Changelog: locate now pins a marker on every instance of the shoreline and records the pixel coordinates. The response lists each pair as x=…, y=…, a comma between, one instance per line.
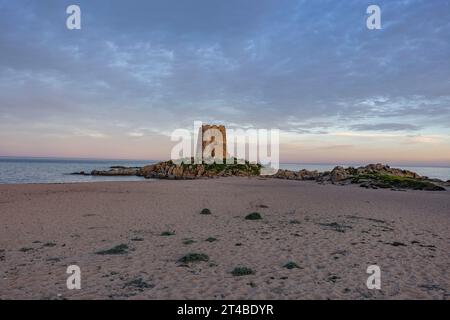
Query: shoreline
x=331, y=232
x=150, y=180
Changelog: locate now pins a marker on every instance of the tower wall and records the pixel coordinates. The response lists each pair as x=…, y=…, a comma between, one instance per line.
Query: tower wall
x=203, y=143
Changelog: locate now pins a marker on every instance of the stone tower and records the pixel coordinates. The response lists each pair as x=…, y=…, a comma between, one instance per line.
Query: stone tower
x=208, y=135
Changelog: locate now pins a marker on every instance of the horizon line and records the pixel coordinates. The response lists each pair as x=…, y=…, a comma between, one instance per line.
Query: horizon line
x=355, y=164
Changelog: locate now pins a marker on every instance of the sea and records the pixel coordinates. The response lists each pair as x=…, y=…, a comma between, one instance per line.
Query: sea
x=14, y=170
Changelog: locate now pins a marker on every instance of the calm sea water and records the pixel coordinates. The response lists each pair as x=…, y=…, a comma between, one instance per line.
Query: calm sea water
x=43, y=170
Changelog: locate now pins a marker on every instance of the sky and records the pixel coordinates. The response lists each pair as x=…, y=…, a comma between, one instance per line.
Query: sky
x=137, y=70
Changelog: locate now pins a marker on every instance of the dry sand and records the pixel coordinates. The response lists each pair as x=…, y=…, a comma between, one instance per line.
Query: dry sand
x=332, y=232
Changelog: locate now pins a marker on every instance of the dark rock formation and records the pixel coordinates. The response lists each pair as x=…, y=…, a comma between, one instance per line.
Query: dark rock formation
x=294, y=175
x=117, y=171
x=375, y=176
x=171, y=170
x=113, y=171
x=371, y=176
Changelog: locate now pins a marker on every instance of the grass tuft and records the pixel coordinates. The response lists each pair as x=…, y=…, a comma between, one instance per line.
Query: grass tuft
x=386, y=181
x=119, y=249
x=291, y=265
x=253, y=216
x=205, y=211
x=49, y=244
x=167, y=233
x=194, y=257
x=139, y=284
x=242, y=271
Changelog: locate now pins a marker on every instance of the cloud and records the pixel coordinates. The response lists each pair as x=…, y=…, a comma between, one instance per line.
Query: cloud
x=309, y=67
x=385, y=127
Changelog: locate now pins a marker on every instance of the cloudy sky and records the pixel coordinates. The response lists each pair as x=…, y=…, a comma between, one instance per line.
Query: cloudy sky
x=137, y=70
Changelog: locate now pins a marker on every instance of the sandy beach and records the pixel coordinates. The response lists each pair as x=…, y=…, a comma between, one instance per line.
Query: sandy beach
x=333, y=233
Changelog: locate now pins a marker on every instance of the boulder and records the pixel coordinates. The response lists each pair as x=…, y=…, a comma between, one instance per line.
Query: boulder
x=338, y=174
x=81, y=173
x=308, y=175
x=117, y=171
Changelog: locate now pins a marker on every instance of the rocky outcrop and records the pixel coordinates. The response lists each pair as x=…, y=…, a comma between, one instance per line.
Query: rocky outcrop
x=117, y=171
x=339, y=174
x=296, y=175
x=371, y=176
x=171, y=170
x=113, y=171
x=385, y=169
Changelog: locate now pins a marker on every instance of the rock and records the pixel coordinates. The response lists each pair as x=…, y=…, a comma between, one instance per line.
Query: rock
x=308, y=175
x=385, y=169
x=200, y=171
x=371, y=176
x=432, y=187
x=171, y=170
x=81, y=173
x=293, y=175
x=338, y=174
x=117, y=171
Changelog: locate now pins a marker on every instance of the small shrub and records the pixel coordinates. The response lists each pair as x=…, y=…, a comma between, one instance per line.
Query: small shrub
x=49, y=244
x=335, y=226
x=291, y=265
x=167, y=233
x=242, y=271
x=54, y=259
x=211, y=239
x=188, y=241
x=139, y=284
x=205, y=211
x=120, y=249
x=253, y=216
x=194, y=257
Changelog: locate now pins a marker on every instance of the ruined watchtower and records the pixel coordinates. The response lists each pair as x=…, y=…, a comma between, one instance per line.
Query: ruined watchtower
x=213, y=141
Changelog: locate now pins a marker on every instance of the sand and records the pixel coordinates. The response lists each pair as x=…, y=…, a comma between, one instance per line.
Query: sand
x=333, y=233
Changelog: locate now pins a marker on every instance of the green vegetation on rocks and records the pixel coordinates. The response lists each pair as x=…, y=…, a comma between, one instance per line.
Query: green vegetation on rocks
x=119, y=249
x=194, y=257
x=291, y=265
x=242, y=271
x=386, y=181
x=205, y=211
x=167, y=233
x=253, y=216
